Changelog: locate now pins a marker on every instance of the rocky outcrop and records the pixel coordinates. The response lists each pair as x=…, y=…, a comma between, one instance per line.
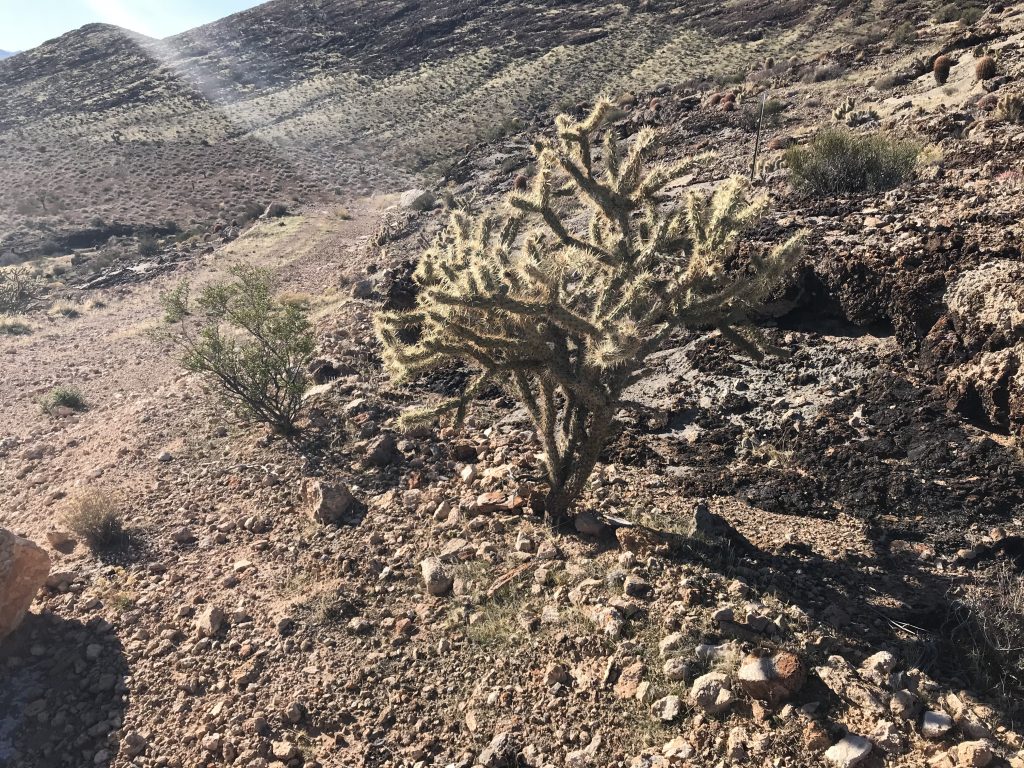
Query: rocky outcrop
x=23, y=570
x=986, y=312
x=987, y=305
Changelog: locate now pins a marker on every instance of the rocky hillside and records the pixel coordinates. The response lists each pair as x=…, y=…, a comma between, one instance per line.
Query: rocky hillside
x=816, y=559
x=326, y=99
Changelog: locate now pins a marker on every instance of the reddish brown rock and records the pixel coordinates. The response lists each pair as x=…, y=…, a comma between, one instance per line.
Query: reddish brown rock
x=629, y=681
x=772, y=679
x=330, y=504
x=24, y=567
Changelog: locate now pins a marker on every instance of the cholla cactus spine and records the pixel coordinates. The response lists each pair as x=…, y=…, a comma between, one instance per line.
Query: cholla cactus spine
x=564, y=317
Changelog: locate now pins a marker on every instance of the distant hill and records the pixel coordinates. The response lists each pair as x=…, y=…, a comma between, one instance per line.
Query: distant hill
x=309, y=98
x=6, y=54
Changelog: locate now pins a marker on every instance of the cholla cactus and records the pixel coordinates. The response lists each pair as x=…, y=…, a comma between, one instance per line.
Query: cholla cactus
x=848, y=114
x=565, y=316
x=845, y=108
x=1010, y=108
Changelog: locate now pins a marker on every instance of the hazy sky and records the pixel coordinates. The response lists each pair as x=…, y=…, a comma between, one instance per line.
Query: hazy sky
x=27, y=23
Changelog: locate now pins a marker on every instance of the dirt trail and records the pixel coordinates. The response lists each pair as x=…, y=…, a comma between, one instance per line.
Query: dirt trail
x=129, y=378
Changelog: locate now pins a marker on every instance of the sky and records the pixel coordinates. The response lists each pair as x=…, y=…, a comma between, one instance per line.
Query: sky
x=25, y=24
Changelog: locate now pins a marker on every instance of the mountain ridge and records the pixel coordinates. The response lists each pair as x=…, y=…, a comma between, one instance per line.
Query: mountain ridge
x=324, y=99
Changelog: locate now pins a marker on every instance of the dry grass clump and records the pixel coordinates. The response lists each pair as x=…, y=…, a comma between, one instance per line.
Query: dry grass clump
x=65, y=309
x=97, y=518
x=990, y=615
x=14, y=326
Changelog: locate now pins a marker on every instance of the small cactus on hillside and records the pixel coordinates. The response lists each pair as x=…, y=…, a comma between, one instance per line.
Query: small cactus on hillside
x=941, y=68
x=1010, y=108
x=985, y=68
x=847, y=106
x=848, y=114
x=564, y=317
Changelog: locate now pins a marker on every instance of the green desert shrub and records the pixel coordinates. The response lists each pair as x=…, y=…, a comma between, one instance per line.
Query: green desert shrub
x=96, y=517
x=63, y=397
x=904, y=34
x=565, y=317
x=18, y=289
x=965, y=12
x=252, y=345
x=840, y=161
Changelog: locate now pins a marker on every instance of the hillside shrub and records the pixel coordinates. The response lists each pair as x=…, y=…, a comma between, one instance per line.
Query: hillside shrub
x=990, y=617
x=252, y=345
x=964, y=12
x=941, y=68
x=18, y=289
x=63, y=397
x=148, y=246
x=840, y=161
x=750, y=117
x=904, y=34
x=565, y=317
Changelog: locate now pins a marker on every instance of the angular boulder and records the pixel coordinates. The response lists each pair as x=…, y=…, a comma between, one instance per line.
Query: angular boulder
x=436, y=579
x=989, y=390
x=850, y=751
x=330, y=504
x=772, y=679
x=24, y=567
x=711, y=693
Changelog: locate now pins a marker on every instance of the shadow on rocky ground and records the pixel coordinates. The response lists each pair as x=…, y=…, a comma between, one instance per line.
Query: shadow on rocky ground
x=879, y=600
x=64, y=695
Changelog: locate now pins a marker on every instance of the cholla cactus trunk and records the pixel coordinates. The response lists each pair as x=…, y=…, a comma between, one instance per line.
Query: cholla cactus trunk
x=564, y=316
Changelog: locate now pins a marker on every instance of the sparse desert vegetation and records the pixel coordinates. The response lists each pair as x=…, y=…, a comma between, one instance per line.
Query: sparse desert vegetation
x=570, y=319
x=443, y=274
x=840, y=161
x=97, y=518
x=252, y=346
x=63, y=397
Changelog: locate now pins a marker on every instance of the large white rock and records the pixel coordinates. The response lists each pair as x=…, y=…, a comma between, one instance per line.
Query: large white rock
x=24, y=567
x=418, y=199
x=711, y=693
x=850, y=751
